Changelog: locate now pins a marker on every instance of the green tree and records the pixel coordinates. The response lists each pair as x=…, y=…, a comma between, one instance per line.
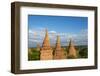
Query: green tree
x=35, y=55
x=83, y=53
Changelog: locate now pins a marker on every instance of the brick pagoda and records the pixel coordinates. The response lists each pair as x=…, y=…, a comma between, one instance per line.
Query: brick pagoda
x=46, y=52
x=59, y=53
x=72, y=53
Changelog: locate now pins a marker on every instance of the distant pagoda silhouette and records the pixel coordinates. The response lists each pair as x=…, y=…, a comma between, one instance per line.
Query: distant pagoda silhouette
x=46, y=52
x=72, y=53
x=38, y=47
x=30, y=51
x=59, y=53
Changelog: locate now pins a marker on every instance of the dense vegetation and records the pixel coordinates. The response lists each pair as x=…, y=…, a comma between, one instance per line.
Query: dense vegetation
x=34, y=55
x=82, y=52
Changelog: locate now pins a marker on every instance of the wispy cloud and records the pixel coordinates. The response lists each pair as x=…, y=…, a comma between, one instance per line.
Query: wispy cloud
x=37, y=35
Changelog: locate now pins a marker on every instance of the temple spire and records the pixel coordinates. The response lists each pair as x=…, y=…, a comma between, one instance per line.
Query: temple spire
x=38, y=47
x=46, y=52
x=71, y=50
x=58, y=45
x=59, y=53
x=46, y=41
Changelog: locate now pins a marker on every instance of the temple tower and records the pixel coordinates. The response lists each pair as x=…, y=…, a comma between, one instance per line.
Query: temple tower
x=72, y=53
x=59, y=53
x=46, y=52
x=38, y=47
x=30, y=51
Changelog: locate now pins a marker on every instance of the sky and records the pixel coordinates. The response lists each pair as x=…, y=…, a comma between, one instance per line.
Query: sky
x=65, y=26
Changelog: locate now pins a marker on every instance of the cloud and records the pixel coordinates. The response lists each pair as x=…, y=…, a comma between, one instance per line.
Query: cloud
x=37, y=36
x=52, y=32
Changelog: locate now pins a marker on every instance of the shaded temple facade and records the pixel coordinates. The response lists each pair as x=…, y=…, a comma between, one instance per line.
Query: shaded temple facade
x=46, y=52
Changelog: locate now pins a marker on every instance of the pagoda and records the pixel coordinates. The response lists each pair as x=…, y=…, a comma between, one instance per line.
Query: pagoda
x=46, y=52
x=38, y=47
x=72, y=53
x=59, y=53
